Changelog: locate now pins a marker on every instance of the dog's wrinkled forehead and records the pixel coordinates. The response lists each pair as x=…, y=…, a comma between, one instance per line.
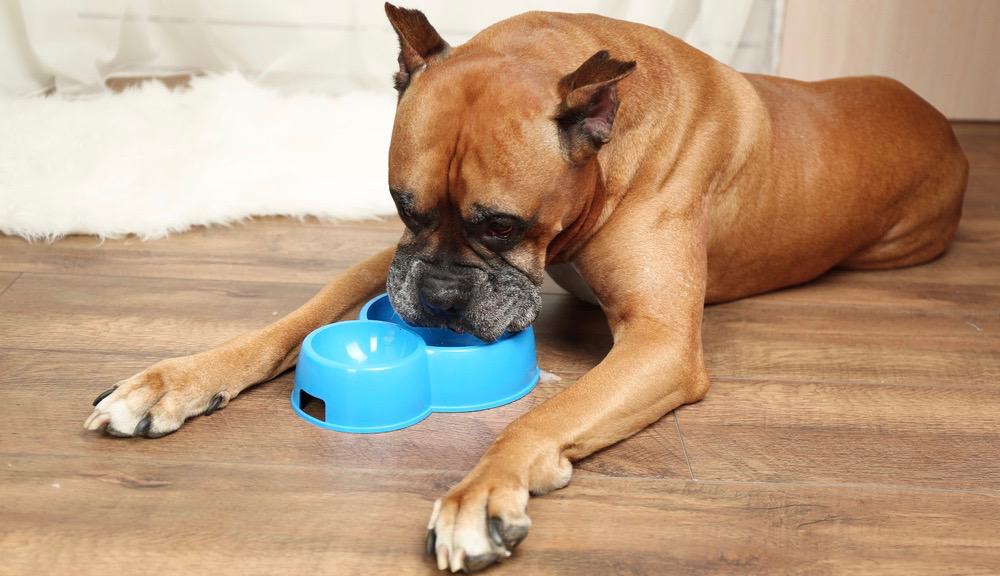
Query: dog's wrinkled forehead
x=473, y=141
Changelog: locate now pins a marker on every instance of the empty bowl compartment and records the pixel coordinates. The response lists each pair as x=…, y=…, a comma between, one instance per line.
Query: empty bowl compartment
x=362, y=376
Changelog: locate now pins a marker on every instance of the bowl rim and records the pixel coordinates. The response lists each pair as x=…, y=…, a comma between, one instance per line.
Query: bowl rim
x=315, y=356
x=363, y=317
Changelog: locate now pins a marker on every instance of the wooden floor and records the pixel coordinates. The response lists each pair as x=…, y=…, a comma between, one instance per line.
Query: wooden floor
x=853, y=426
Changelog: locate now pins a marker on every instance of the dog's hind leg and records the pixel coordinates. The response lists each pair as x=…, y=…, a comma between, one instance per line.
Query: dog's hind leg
x=927, y=222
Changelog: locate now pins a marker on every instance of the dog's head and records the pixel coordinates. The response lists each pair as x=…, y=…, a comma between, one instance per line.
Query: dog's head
x=492, y=168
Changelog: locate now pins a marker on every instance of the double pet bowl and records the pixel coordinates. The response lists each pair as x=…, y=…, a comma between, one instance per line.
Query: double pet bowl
x=378, y=373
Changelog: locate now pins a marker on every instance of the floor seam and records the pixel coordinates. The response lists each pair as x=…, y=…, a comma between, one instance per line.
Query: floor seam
x=12, y=282
x=680, y=436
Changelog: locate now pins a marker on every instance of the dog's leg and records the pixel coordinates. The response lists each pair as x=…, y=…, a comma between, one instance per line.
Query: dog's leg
x=654, y=302
x=159, y=399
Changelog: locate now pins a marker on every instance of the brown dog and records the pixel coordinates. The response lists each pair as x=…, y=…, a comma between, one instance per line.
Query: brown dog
x=662, y=177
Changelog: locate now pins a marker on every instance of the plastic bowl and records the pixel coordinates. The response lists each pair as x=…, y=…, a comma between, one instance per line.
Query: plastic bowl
x=466, y=374
x=379, y=374
x=368, y=376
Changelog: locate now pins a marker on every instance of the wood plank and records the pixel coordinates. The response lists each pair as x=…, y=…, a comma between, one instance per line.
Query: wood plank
x=920, y=290
x=963, y=128
x=972, y=362
x=767, y=339
x=894, y=435
x=981, y=197
x=45, y=396
x=749, y=338
x=271, y=249
x=920, y=312
x=156, y=315
x=138, y=315
x=262, y=250
x=980, y=143
x=93, y=515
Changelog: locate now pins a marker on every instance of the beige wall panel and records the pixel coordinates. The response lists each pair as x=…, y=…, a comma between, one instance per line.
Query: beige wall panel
x=946, y=50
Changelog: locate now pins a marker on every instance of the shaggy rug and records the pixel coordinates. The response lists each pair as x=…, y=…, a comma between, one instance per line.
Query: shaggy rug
x=151, y=161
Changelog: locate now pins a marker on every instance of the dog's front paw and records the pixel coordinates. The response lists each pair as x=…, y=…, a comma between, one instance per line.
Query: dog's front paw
x=480, y=521
x=157, y=401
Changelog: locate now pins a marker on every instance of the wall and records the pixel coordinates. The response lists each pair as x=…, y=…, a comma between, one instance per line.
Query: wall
x=948, y=51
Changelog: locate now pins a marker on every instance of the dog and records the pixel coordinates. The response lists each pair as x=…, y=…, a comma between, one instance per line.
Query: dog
x=644, y=175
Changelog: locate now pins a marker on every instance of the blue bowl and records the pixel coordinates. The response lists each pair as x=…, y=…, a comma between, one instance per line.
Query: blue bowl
x=379, y=374
x=466, y=374
x=367, y=376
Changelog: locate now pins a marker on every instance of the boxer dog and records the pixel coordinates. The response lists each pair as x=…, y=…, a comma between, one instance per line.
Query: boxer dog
x=639, y=169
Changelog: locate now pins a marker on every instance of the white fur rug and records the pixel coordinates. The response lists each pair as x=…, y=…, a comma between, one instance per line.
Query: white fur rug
x=150, y=161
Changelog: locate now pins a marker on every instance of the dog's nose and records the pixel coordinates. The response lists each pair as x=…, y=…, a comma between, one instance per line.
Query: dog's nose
x=442, y=295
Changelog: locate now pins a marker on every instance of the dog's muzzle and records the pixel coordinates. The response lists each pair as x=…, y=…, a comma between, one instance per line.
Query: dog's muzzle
x=485, y=302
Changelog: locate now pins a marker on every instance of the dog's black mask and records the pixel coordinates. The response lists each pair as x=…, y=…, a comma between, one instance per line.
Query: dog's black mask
x=485, y=300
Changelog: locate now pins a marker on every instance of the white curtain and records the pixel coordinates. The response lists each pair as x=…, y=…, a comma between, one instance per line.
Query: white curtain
x=330, y=46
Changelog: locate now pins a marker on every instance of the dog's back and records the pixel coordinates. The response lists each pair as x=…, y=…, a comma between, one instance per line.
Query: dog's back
x=856, y=172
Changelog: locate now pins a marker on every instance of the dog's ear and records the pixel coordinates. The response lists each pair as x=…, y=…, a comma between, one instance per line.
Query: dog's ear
x=589, y=104
x=419, y=43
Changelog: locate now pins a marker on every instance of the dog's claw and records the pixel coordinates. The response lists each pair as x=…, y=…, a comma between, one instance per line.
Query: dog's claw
x=431, y=542
x=506, y=536
x=470, y=543
x=495, y=527
x=158, y=400
x=143, y=426
x=157, y=434
x=213, y=405
x=104, y=395
x=476, y=563
x=517, y=538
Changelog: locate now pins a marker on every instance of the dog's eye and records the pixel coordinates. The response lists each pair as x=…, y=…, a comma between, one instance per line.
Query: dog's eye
x=406, y=209
x=501, y=230
x=496, y=231
x=409, y=216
